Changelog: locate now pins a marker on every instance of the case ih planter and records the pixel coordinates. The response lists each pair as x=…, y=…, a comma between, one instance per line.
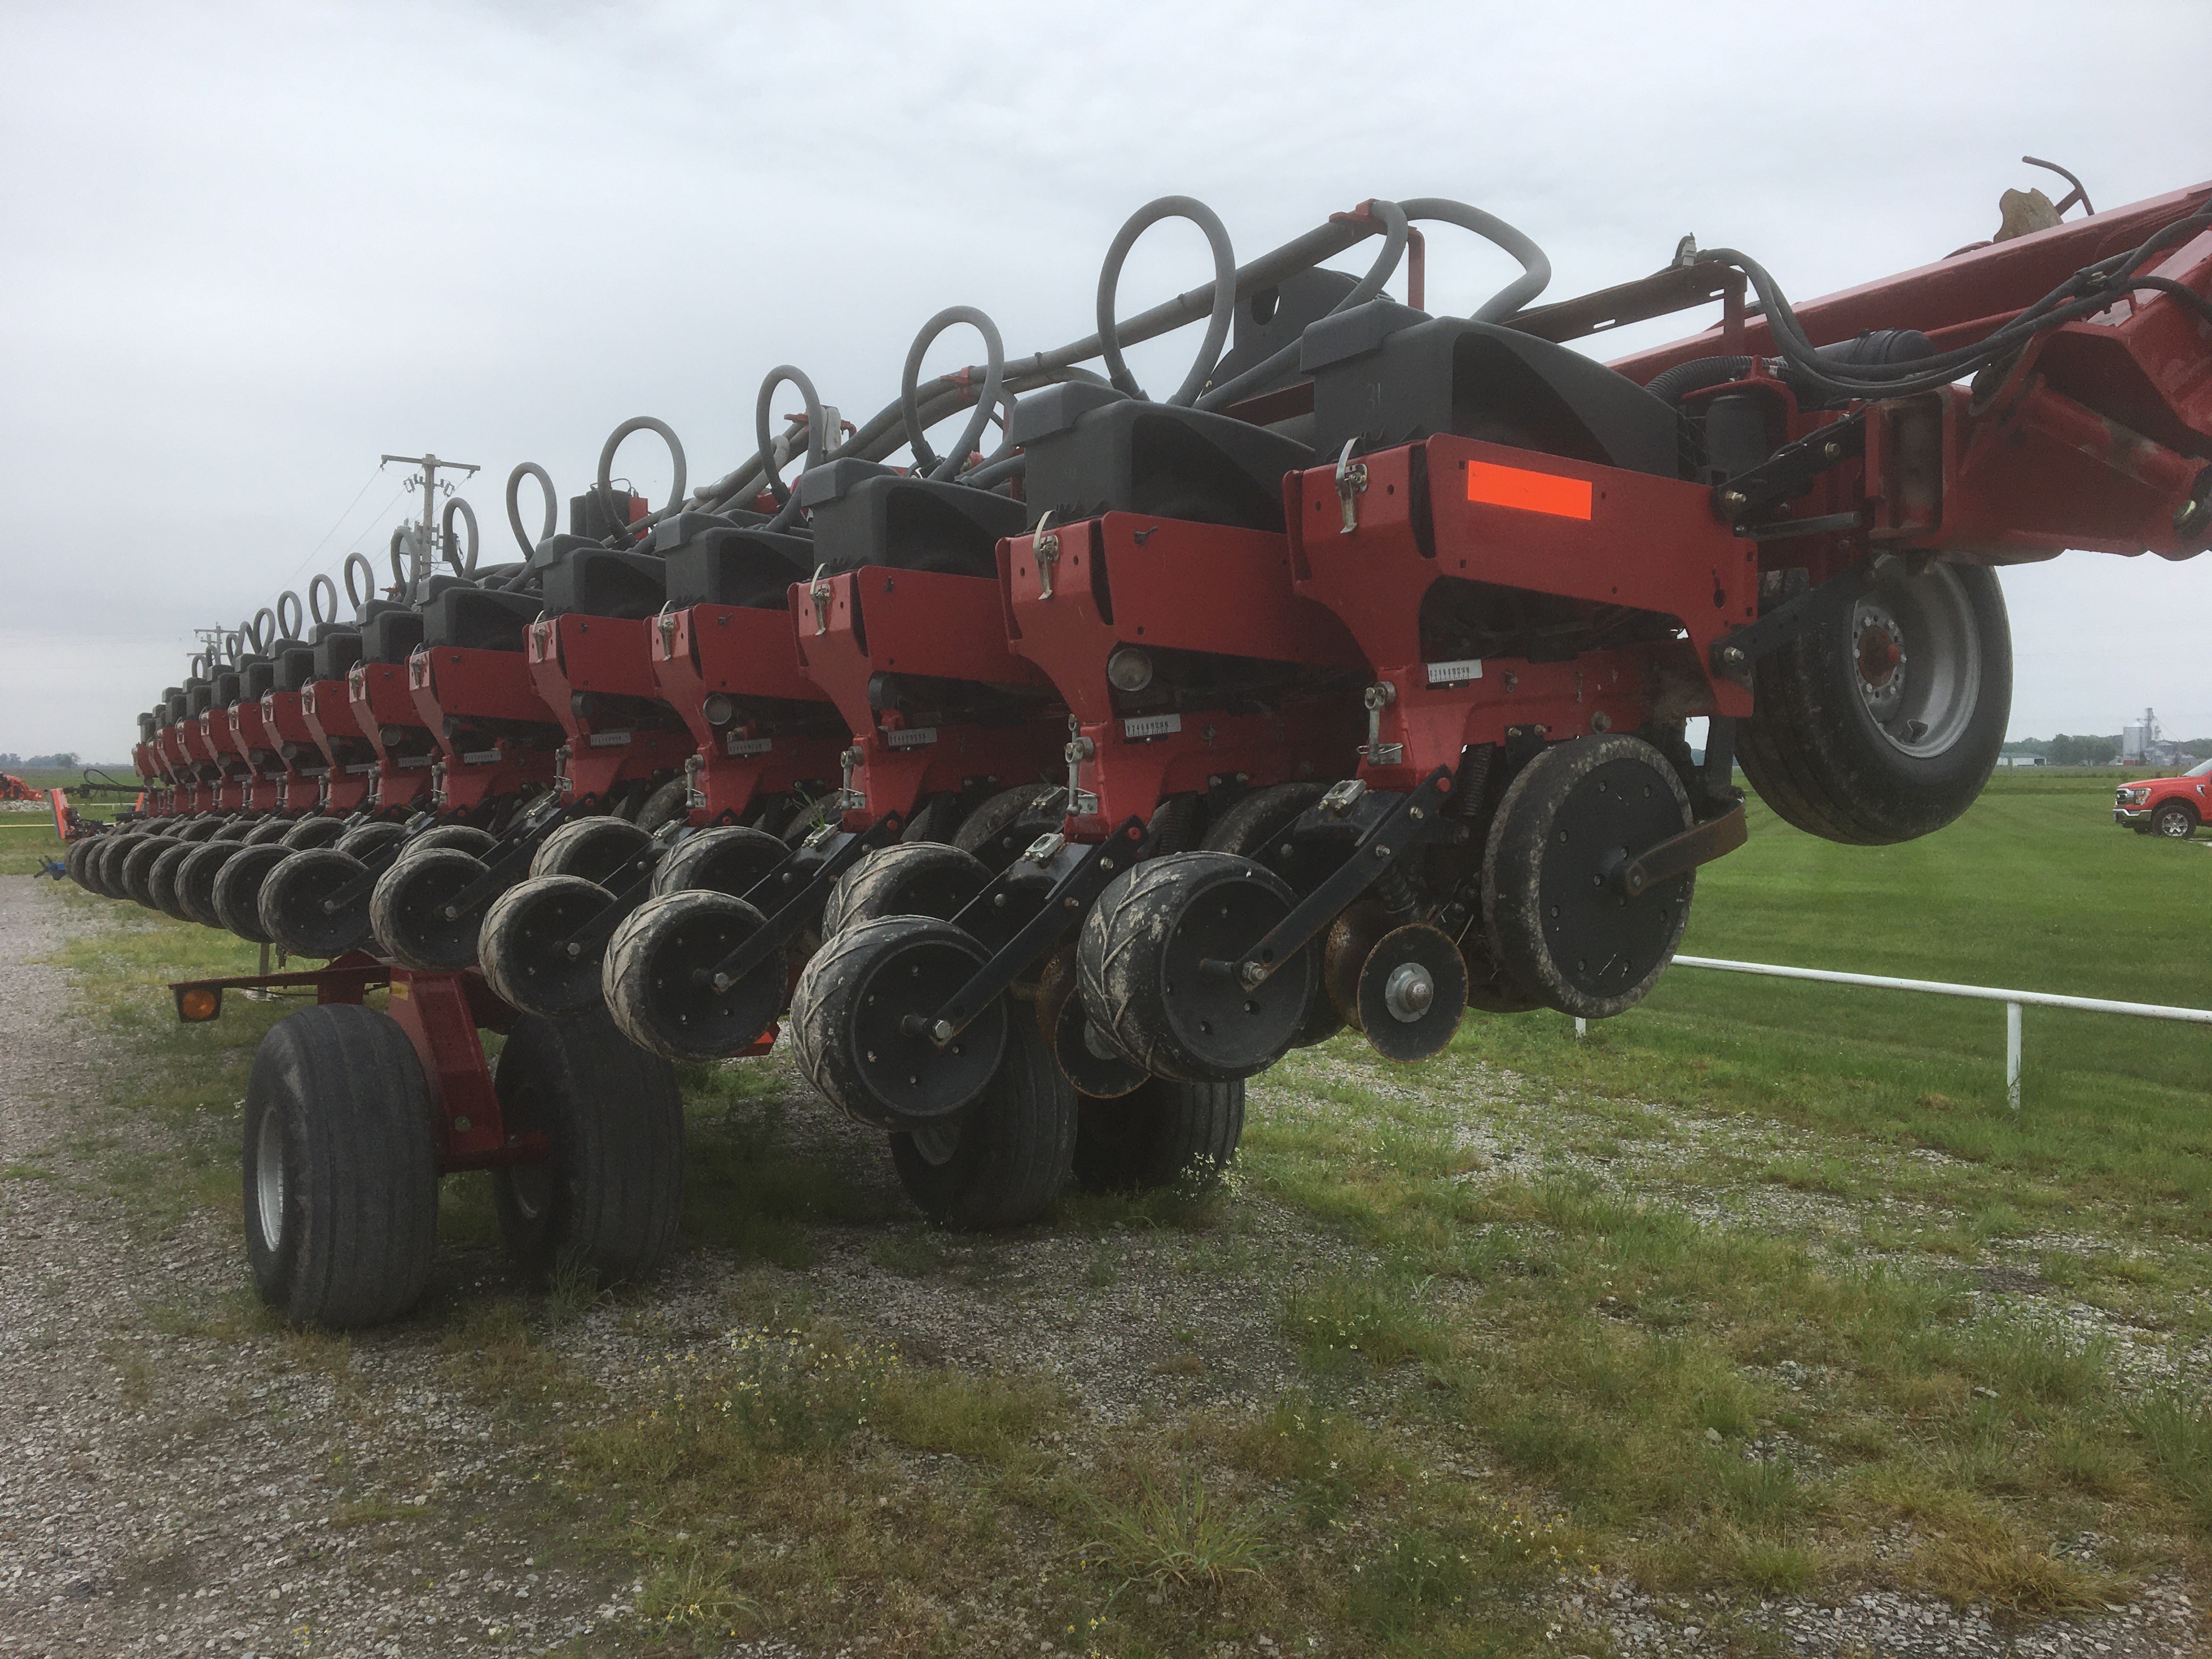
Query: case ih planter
x=1055, y=791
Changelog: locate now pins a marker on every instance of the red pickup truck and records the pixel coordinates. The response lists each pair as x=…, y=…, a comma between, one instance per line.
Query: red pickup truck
x=2167, y=807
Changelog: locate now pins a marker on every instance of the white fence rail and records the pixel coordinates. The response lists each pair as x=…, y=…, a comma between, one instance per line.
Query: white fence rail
x=2015, y=1001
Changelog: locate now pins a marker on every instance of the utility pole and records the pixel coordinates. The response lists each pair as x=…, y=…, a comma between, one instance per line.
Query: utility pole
x=425, y=552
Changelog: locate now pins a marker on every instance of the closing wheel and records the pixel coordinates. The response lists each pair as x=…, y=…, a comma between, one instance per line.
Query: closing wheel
x=1885, y=723
x=593, y=848
x=1552, y=910
x=1413, y=989
x=462, y=837
x=314, y=832
x=161, y=880
x=1164, y=1134
x=524, y=946
x=236, y=895
x=608, y=1198
x=859, y=1023
x=1253, y=828
x=271, y=827
x=730, y=859
x=1096, y=1068
x=195, y=877
x=908, y=879
x=1156, y=959
x=341, y=1169
x=368, y=840
x=415, y=913
x=299, y=907
x=1007, y=1159
x=657, y=977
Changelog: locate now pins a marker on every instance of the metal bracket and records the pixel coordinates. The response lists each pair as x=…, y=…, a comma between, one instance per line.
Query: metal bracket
x=1350, y=482
x=820, y=867
x=1418, y=819
x=1379, y=697
x=1045, y=545
x=1733, y=653
x=1699, y=844
x=1088, y=870
x=1788, y=473
x=818, y=590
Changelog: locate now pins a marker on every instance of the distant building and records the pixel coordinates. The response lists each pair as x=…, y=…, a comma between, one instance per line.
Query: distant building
x=2138, y=741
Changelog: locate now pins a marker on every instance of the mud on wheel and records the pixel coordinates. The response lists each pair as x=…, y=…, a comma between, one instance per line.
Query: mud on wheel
x=657, y=977
x=523, y=945
x=298, y=905
x=907, y=879
x=416, y=910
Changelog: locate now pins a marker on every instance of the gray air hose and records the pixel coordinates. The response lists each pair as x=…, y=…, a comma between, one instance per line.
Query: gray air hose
x=367, y=590
x=994, y=374
x=531, y=470
x=467, y=568
x=324, y=612
x=1224, y=293
x=1386, y=263
x=817, y=443
x=605, y=487
x=1535, y=267
x=289, y=630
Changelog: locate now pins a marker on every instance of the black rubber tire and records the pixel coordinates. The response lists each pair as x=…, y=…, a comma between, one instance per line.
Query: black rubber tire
x=1005, y=825
x=137, y=874
x=1015, y=1147
x=2174, y=820
x=241, y=828
x=235, y=897
x=196, y=879
x=1530, y=870
x=161, y=880
x=730, y=859
x=1248, y=828
x=1815, y=754
x=518, y=945
x=842, y=981
x=1165, y=1133
x=908, y=879
x=405, y=909
x=935, y=819
x=107, y=869
x=338, y=1104
x=647, y=977
x=461, y=837
x=1137, y=967
x=271, y=827
x=608, y=1200
x=368, y=840
x=290, y=903
x=73, y=861
x=593, y=847
x=665, y=804
x=314, y=832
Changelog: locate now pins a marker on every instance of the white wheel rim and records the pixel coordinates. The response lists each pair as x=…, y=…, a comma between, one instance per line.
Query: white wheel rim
x=269, y=1179
x=1918, y=659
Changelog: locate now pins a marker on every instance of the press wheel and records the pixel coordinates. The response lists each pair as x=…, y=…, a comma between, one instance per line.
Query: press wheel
x=415, y=908
x=524, y=949
x=593, y=848
x=1552, y=914
x=298, y=906
x=908, y=879
x=314, y=832
x=196, y=879
x=859, y=1021
x=235, y=894
x=658, y=980
x=730, y=859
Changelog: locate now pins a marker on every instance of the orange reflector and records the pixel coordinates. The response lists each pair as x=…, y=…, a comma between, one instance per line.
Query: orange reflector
x=199, y=1003
x=1533, y=492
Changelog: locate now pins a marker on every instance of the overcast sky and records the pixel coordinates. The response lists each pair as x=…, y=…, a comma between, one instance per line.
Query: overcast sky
x=246, y=249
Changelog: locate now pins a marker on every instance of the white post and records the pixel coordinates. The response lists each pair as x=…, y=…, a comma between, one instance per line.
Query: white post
x=1582, y=1028
x=2012, y=1053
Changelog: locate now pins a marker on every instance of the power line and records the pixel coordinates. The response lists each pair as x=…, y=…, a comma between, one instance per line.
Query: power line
x=368, y=484
x=377, y=516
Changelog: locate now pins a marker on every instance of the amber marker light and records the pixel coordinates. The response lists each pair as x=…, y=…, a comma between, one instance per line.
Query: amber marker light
x=198, y=1003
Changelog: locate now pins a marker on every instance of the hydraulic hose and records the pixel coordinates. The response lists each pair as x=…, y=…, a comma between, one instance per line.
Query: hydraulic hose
x=1679, y=382
x=1222, y=312
x=817, y=445
x=323, y=613
x=605, y=487
x=994, y=374
x=445, y=536
x=1535, y=266
x=531, y=470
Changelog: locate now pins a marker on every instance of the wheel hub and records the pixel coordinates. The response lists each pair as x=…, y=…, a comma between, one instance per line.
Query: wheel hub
x=1917, y=657
x=1409, y=992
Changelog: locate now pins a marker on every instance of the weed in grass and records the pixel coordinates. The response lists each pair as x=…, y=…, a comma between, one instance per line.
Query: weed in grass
x=573, y=1289
x=2177, y=1428
x=989, y=1418
x=25, y=1172
x=1342, y=1318
x=1475, y=1566
x=698, y=1596
x=1178, y=1534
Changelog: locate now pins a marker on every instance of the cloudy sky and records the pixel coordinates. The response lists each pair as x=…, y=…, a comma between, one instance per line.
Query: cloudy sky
x=245, y=249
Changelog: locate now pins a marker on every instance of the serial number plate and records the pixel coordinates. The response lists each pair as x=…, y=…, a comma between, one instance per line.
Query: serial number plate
x=912, y=736
x=480, y=758
x=744, y=748
x=1152, y=726
x=1455, y=673
x=609, y=739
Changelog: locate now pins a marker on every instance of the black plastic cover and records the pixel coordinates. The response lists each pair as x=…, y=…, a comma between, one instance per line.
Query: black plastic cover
x=600, y=582
x=295, y=667
x=865, y=514
x=337, y=653
x=1385, y=374
x=392, y=635
x=723, y=564
x=479, y=619
x=1118, y=455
